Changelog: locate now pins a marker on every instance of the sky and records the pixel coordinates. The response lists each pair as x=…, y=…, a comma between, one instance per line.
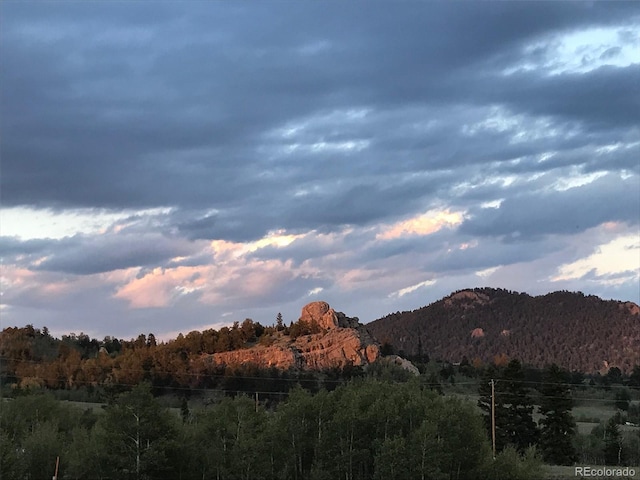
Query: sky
x=177, y=166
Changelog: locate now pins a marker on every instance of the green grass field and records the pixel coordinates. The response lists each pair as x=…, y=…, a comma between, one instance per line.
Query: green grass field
x=94, y=407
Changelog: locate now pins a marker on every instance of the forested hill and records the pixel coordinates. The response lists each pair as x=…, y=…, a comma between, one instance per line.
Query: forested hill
x=578, y=332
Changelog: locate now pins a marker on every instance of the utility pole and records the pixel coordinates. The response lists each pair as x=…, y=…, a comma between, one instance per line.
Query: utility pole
x=493, y=417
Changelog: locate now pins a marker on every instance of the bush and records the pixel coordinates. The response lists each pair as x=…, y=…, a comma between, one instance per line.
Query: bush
x=510, y=465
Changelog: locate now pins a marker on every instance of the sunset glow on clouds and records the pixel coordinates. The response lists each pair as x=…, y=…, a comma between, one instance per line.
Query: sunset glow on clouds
x=424, y=224
x=157, y=177
x=615, y=261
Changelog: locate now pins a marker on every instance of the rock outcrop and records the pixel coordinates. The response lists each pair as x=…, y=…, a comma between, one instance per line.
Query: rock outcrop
x=344, y=342
x=466, y=299
x=631, y=307
x=477, y=333
x=326, y=317
x=402, y=363
x=278, y=355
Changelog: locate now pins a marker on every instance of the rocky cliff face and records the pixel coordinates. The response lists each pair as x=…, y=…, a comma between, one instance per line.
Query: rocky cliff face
x=344, y=342
x=326, y=317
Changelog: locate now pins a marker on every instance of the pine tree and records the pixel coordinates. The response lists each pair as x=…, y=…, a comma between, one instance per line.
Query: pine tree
x=521, y=430
x=634, y=378
x=558, y=427
x=623, y=398
x=184, y=410
x=612, y=443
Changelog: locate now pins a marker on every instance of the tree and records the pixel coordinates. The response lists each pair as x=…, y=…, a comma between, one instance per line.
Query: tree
x=622, y=399
x=513, y=407
x=521, y=430
x=510, y=465
x=248, y=329
x=558, y=427
x=279, y=322
x=391, y=462
x=386, y=349
x=40, y=448
x=462, y=444
x=231, y=440
x=296, y=422
x=612, y=443
x=136, y=435
x=9, y=459
x=634, y=378
x=184, y=410
x=614, y=375
x=83, y=459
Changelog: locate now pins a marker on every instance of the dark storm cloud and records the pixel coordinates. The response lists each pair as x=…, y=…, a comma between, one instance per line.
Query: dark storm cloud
x=85, y=255
x=609, y=198
x=11, y=247
x=138, y=106
x=489, y=253
x=607, y=97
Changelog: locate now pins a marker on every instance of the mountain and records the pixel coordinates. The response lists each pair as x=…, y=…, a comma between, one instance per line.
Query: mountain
x=578, y=332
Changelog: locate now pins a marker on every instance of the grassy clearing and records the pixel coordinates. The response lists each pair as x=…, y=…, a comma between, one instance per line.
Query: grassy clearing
x=94, y=407
x=594, y=413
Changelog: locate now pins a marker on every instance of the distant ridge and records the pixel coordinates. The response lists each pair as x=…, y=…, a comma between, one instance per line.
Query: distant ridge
x=578, y=332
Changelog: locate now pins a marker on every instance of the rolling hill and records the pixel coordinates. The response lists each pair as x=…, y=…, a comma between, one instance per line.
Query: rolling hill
x=575, y=331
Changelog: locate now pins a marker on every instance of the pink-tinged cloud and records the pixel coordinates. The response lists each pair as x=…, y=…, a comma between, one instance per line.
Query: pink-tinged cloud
x=160, y=287
x=13, y=280
x=232, y=276
x=19, y=284
x=425, y=224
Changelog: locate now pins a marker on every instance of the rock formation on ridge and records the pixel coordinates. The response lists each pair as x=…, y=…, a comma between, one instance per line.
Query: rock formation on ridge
x=342, y=342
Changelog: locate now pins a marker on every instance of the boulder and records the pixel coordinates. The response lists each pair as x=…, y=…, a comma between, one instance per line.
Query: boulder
x=326, y=317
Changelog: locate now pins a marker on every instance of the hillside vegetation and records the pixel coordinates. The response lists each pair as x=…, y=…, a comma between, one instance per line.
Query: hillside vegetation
x=577, y=332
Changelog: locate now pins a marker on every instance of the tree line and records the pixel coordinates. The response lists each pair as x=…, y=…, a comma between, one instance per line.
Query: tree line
x=365, y=429
x=508, y=402
x=31, y=357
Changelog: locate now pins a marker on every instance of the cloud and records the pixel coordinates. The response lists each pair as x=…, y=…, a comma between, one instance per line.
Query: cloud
x=609, y=198
x=164, y=163
x=404, y=291
x=617, y=257
x=424, y=224
x=160, y=286
x=96, y=254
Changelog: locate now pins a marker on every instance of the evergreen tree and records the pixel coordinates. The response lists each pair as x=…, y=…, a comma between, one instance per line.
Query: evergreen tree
x=521, y=430
x=623, y=398
x=558, y=427
x=612, y=443
x=184, y=410
x=614, y=375
x=634, y=378
x=514, y=423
